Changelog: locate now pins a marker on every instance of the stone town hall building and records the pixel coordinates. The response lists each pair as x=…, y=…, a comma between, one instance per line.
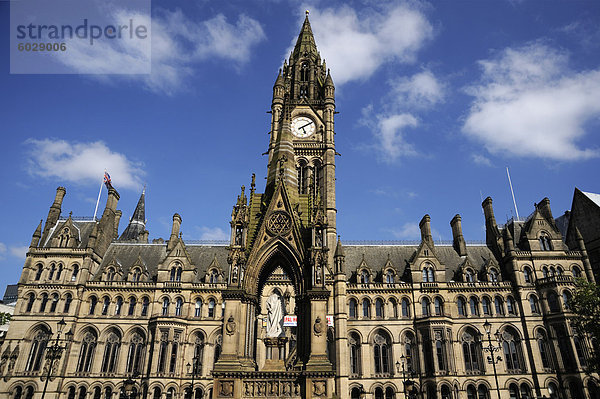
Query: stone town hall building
x=285, y=310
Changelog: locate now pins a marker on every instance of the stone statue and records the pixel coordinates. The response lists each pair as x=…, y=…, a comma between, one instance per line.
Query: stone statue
x=274, y=316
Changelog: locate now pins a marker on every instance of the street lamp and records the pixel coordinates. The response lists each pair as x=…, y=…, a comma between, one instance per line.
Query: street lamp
x=408, y=384
x=194, y=368
x=55, y=351
x=491, y=349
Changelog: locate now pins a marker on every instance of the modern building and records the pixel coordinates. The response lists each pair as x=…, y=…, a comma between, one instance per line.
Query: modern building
x=286, y=309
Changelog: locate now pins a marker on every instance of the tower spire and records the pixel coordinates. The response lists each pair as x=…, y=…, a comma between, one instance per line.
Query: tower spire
x=306, y=41
x=137, y=224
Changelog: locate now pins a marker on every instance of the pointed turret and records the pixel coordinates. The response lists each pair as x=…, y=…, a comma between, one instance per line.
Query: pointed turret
x=306, y=41
x=35, y=239
x=137, y=224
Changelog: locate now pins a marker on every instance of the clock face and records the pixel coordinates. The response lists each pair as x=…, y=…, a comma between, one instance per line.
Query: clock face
x=303, y=126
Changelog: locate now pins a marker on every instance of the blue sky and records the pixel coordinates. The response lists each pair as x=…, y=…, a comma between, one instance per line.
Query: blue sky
x=435, y=100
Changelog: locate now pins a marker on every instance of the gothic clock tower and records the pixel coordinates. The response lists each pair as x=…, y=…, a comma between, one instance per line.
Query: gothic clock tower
x=290, y=227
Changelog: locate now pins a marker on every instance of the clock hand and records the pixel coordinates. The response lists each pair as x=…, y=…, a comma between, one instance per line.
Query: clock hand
x=309, y=123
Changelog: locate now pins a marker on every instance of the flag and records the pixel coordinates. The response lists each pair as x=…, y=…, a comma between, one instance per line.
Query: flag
x=107, y=180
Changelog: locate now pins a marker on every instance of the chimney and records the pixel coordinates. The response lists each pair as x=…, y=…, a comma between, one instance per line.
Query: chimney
x=118, y=215
x=112, y=200
x=459, y=243
x=425, y=227
x=174, y=231
x=544, y=208
x=55, y=209
x=488, y=211
x=145, y=235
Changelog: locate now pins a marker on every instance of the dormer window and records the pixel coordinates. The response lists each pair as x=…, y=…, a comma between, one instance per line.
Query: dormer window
x=428, y=275
x=110, y=274
x=64, y=238
x=493, y=275
x=137, y=273
x=389, y=277
x=469, y=276
x=214, y=276
x=545, y=242
x=364, y=277
x=176, y=273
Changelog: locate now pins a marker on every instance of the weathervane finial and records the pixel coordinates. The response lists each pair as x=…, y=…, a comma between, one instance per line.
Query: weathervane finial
x=307, y=12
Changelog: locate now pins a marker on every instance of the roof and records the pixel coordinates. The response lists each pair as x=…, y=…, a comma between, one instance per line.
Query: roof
x=306, y=41
x=593, y=196
x=83, y=228
x=137, y=223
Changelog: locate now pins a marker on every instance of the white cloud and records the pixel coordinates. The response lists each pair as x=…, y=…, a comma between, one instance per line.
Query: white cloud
x=481, y=160
x=19, y=252
x=388, y=131
x=421, y=90
x=528, y=103
x=212, y=233
x=81, y=163
x=178, y=45
x=355, y=47
x=3, y=250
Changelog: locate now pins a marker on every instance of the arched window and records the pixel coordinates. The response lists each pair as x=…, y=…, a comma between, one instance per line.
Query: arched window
x=30, y=302
x=44, y=302
x=553, y=390
x=543, y=348
x=173, y=274
x=389, y=393
x=576, y=272
x=513, y=391
x=405, y=308
x=545, y=242
x=59, y=271
x=162, y=351
x=389, y=276
x=545, y=271
x=471, y=392
x=132, y=303
x=512, y=351
x=378, y=393
x=472, y=352
x=364, y=277
x=198, y=353
x=54, y=303
x=527, y=274
x=111, y=352
x=460, y=302
x=157, y=393
x=178, y=306
x=559, y=271
x=171, y=393
x=499, y=304
x=381, y=352
x=211, y=308
x=93, y=303
x=137, y=274
x=75, y=273
x=145, y=305
x=118, y=306
x=580, y=351
x=511, y=306
x=493, y=275
x=482, y=392
x=218, y=345
x=52, y=270
x=553, y=302
x=428, y=275
x=566, y=299
x=135, y=353
x=105, y=305
x=36, y=353
x=198, y=308
x=355, y=393
x=355, y=358
x=425, y=307
x=87, y=351
x=366, y=305
x=304, y=71
x=18, y=392
x=440, y=353
x=165, y=307
x=352, y=309
x=110, y=274
x=38, y=273
x=178, y=275
x=486, y=306
x=410, y=353
x=29, y=392
x=552, y=271
x=469, y=276
x=68, y=300
x=97, y=393
x=439, y=306
x=214, y=276
x=534, y=304
x=445, y=391
x=379, y=308
x=474, y=306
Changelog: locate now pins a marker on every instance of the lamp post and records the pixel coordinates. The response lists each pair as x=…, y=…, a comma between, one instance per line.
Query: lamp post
x=491, y=349
x=407, y=384
x=194, y=367
x=55, y=351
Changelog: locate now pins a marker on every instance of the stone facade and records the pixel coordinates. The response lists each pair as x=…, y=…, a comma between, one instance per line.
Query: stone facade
x=177, y=319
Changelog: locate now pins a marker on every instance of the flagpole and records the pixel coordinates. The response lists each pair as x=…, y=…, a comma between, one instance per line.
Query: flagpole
x=98, y=200
x=513, y=193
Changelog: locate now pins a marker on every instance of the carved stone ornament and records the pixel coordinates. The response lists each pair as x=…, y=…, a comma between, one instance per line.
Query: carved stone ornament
x=230, y=326
x=319, y=388
x=318, y=327
x=279, y=223
x=226, y=388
